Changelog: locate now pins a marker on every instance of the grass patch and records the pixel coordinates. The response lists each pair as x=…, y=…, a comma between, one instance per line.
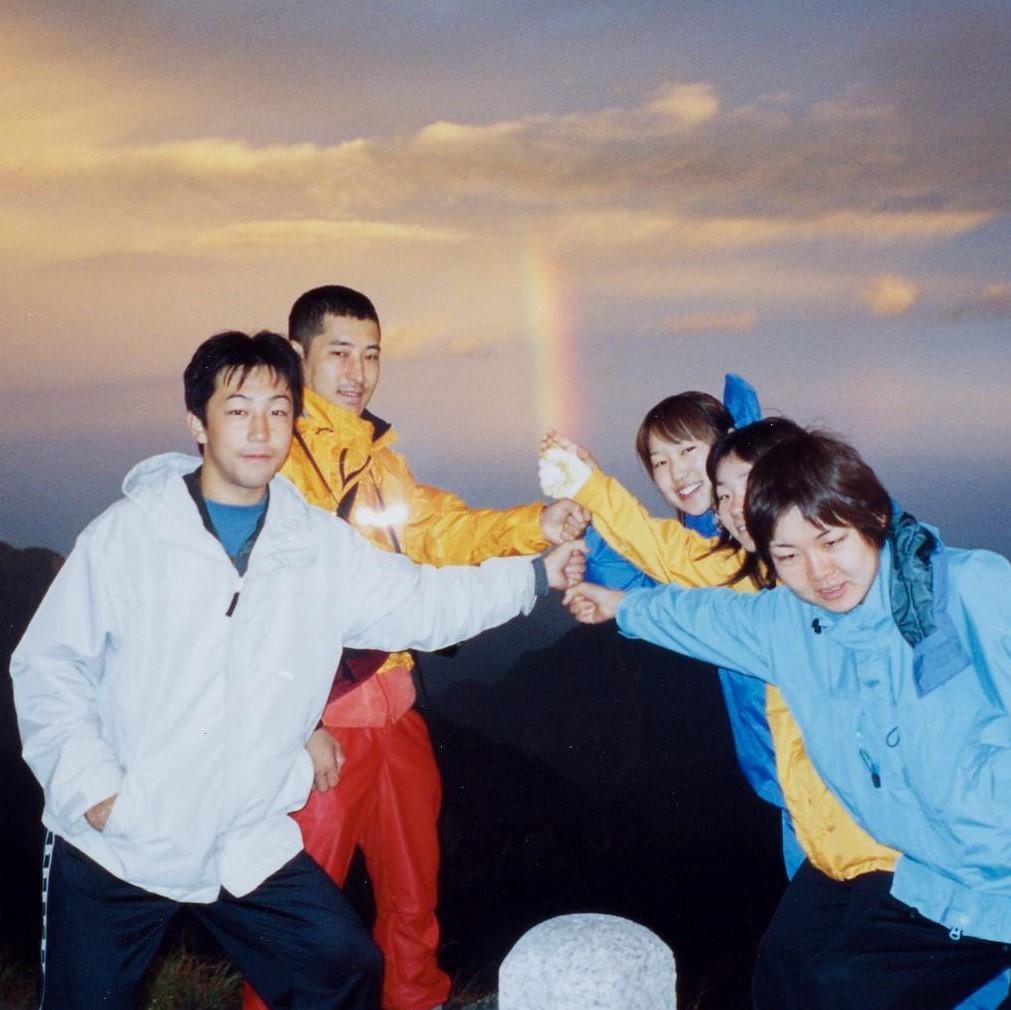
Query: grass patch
x=17, y=986
x=183, y=982
x=470, y=991
x=187, y=982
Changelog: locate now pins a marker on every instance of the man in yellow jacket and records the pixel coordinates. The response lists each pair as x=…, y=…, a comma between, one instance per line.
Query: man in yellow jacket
x=377, y=784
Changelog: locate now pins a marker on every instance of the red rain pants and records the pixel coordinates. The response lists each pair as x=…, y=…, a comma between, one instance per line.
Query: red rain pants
x=387, y=802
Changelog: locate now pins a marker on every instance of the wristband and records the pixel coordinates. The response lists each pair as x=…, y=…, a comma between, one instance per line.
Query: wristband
x=541, y=586
x=561, y=473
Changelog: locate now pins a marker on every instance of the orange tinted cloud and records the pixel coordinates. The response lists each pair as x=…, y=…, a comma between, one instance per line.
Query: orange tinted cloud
x=270, y=236
x=621, y=228
x=673, y=195
x=993, y=302
x=891, y=295
x=675, y=165
x=688, y=103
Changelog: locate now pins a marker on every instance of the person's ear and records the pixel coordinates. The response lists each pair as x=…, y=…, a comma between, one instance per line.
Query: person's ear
x=197, y=428
x=299, y=350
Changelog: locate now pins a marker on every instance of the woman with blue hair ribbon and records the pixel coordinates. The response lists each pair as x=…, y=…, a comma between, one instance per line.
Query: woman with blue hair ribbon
x=673, y=442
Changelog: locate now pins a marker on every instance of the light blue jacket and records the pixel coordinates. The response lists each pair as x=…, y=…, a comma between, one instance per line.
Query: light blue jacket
x=924, y=766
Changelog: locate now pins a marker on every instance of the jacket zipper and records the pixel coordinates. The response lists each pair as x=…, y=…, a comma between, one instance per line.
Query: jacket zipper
x=235, y=601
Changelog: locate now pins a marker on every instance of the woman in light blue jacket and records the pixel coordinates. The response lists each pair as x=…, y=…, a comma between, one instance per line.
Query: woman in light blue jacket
x=894, y=655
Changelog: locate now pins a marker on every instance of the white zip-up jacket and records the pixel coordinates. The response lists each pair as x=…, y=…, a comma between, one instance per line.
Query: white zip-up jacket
x=133, y=680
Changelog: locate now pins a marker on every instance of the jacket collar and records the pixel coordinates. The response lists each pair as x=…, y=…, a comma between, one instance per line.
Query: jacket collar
x=919, y=600
x=916, y=560
x=938, y=652
x=865, y=621
x=347, y=427
x=156, y=486
x=241, y=558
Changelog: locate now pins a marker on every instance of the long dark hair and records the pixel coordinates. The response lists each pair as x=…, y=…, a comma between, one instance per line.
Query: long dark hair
x=826, y=479
x=749, y=444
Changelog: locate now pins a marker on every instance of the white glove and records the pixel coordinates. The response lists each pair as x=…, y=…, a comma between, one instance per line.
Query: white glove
x=561, y=473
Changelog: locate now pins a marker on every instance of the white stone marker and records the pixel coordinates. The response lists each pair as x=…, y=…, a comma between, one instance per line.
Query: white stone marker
x=588, y=962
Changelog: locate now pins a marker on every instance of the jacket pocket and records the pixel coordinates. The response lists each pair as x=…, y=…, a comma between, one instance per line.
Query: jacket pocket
x=123, y=818
x=162, y=838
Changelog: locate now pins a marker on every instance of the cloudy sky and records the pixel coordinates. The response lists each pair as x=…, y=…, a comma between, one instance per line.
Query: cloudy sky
x=563, y=211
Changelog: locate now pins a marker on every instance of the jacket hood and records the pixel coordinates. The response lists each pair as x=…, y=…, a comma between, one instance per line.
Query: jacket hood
x=156, y=486
x=147, y=482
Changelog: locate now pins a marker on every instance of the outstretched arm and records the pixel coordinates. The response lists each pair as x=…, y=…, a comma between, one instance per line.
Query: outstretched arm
x=401, y=605
x=564, y=520
x=592, y=604
x=565, y=566
x=607, y=567
x=554, y=439
x=719, y=626
x=443, y=530
x=662, y=548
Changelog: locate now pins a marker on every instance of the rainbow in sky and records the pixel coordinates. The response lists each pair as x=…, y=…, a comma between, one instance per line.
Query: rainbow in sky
x=550, y=332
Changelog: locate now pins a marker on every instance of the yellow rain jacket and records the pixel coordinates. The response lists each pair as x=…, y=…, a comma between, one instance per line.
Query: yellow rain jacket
x=384, y=502
x=667, y=551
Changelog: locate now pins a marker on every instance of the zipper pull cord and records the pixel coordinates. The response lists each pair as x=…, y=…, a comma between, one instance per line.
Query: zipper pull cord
x=235, y=600
x=872, y=768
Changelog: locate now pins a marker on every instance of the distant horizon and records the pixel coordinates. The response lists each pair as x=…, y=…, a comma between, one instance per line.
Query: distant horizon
x=561, y=219
x=962, y=492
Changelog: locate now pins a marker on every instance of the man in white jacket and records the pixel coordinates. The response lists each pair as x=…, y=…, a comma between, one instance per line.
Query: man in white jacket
x=168, y=683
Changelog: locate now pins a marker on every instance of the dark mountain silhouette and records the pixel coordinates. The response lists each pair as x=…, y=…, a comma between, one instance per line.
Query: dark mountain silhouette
x=599, y=775
x=24, y=578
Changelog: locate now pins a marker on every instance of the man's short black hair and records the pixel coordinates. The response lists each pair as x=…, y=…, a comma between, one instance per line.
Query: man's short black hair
x=232, y=352
x=308, y=314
